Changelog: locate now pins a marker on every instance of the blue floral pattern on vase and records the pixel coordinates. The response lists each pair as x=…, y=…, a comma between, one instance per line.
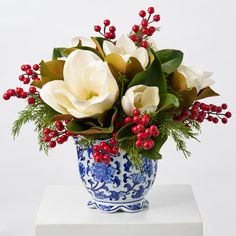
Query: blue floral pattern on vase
x=117, y=186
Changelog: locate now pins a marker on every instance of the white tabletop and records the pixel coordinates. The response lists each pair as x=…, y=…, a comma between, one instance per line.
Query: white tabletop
x=172, y=212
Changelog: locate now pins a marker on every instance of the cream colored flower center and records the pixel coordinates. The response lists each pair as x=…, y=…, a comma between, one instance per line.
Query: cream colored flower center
x=90, y=95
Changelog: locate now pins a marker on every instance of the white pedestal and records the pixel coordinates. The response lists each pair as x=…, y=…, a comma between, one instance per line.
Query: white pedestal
x=172, y=212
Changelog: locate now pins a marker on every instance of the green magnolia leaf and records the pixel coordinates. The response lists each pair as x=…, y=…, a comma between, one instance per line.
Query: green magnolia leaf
x=167, y=101
x=125, y=132
x=49, y=71
x=75, y=126
x=152, y=76
x=58, y=53
x=170, y=59
x=154, y=154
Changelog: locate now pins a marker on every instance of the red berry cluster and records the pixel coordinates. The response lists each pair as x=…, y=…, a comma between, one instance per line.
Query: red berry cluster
x=30, y=73
x=201, y=111
x=58, y=135
x=108, y=34
x=20, y=93
x=103, y=151
x=141, y=130
x=140, y=33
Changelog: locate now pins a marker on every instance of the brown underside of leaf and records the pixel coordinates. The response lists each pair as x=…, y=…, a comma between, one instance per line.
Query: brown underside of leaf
x=177, y=81
x=61, y=117
x=207, y=92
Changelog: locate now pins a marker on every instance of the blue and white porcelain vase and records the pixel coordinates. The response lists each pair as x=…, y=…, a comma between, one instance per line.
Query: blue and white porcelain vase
x=118, y=185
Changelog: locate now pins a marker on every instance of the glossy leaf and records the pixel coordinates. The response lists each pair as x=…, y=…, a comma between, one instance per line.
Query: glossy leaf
x=170, y=59
x=58, y=53
x=177, y=81
x=51, y=70
x=152, y=76
x=125, y=132
x=154, y=154
x=168, y=101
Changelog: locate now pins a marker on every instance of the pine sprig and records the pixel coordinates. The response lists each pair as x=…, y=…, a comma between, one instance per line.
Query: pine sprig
x=179, y=131
x=40, y=114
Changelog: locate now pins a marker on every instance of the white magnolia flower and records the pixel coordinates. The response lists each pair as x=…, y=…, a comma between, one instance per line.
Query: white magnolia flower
x=195, y=77
x=84, y=41
x=153, y=44
x=88, y=88
x=142, y=97
x=126, y=48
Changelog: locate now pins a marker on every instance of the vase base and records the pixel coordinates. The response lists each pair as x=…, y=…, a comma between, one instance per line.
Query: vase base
x=110, y=207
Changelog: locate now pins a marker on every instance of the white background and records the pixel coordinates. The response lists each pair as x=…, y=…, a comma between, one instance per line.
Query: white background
x=204, y=30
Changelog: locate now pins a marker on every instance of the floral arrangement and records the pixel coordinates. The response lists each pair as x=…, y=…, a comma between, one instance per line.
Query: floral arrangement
x=124, y=91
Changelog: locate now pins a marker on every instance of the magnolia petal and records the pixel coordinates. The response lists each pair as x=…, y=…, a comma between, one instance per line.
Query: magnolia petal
x=142, y=55
x=47, y=95
x=75, y=64
x=109, y=47
x=195, y=77
x=84, y=41
x=126, y=44
x=153, y=45
x=127, y=105
x=150, y=97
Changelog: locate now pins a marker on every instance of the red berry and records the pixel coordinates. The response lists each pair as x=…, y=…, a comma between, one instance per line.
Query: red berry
x=11, y=92
x=152, y=29
x=113, y=142
x=64, y=138
x=142, y=13
x=148, y=132
x=103, y=144
x=144, y=44
x=27, y=67
x=60, y=140
x=32, y=89
x=52, y=144
x=112, y=35
x=21, y=77
x=135, y=28
x=47, y=139
x=68, y=133
x=6, y=96
x=54, y=133
x=46, y=131
x=35, y=77
x=29, y=72
x=106, y=159
x=150, y=10
x=139, y=136
x=134, y=130
x=133, y=38
x=144, y=23
x=98, y=157
x=140, y=127
x=128, y=120
x=214, y=108
x=31, y=101
x=215, y=120
x=210, y=118
x=59, y=125
x=114, y=151
x=112, y=29
x=145, y=31
x=136, y=119
x=19, y=90
x=107, y=148
x=145, y=119
x=200, y=118
x=107, y=35
x=224, y=106
x=136, y=112
x=219, y=109
x=23, y=95
x=224, y=120
x=23, y=68
x=147, y=145
x=139, y=143
x=228, y=114
x=35, y=66
x=156, y=133
x=106, y=22
x=96, y=148
x=97, y=28
x=153, y=128
x=156, y=18
x=152, y=143
x=26, y=80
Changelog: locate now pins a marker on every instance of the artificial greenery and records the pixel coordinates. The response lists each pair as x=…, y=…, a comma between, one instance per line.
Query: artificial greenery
x=40, y=114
